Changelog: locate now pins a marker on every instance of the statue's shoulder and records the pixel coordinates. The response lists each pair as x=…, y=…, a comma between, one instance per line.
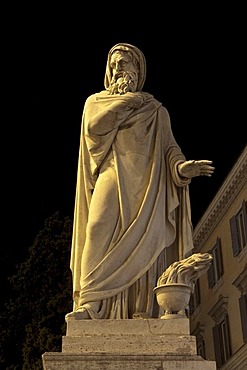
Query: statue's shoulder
x=95, y=97
x=150, y=98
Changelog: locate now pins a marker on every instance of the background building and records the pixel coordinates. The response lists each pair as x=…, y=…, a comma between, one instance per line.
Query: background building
x=218, y=306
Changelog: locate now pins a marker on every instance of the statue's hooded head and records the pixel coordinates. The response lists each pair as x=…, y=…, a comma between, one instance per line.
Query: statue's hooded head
x=137, y=54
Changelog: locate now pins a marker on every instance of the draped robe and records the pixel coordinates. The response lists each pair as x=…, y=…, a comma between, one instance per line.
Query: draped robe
x=153, y=225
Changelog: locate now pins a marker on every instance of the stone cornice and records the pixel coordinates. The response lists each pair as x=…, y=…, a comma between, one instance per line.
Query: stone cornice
x=218, y=311
x=235, y=181
x=241, y=281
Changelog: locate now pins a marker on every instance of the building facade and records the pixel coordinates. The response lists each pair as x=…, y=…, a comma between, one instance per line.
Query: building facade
x=218, y=305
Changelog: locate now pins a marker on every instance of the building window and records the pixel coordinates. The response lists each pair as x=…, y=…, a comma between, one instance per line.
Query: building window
x=221, y=331
x=238, y=225
x=201, y=348
x=241, y=284
x=200, y=343
x=222, y=346
x=243, y=313
x=195, y=298
x=215, y=270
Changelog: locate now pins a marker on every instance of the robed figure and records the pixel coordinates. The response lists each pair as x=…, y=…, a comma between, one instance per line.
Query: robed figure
x=132, y=213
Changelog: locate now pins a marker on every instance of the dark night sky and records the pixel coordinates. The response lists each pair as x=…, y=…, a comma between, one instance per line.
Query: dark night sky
x=196, y=68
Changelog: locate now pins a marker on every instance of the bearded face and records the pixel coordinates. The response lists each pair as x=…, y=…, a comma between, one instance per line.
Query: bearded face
x=124, y=74
x=123, y=82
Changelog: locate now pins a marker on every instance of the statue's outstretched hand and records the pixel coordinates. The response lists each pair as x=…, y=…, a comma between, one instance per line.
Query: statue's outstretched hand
x=194, y=168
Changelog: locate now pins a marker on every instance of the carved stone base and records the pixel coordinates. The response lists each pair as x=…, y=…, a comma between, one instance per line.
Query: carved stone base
x=135, y=344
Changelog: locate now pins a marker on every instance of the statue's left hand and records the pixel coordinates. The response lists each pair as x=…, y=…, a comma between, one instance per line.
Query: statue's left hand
x=194, y=168
x=134, y=100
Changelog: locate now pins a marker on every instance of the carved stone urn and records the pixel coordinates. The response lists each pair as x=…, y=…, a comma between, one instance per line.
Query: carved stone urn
x=173, y=298
x=177, y=282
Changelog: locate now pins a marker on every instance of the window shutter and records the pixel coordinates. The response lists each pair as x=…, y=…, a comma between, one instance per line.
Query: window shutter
x=191, y=304
x=211, y=279
x=198, y=293
x=217, y=350
x=228, y=346
x=219, y=253
x=243, y=313
x=234, y=234
x=244, y=208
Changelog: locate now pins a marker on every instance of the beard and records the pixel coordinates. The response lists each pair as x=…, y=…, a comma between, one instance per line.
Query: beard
x=123, y=82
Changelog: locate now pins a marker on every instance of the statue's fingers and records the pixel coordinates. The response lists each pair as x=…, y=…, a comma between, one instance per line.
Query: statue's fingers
x=204, y=162
x=209, y=168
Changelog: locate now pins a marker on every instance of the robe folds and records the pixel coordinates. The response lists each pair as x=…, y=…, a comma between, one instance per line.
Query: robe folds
x=152, y=203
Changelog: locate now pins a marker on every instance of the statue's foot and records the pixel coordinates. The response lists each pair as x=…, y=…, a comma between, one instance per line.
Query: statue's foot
x=83, y=311
x=80, y=314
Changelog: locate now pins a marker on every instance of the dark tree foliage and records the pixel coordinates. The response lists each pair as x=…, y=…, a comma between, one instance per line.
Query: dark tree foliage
x=32, y=321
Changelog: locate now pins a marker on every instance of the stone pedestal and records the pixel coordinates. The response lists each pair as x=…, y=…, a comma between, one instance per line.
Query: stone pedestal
x=135, y=344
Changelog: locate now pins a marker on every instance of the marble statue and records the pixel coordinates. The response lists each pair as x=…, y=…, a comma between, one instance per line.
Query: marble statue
x=132, y=214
